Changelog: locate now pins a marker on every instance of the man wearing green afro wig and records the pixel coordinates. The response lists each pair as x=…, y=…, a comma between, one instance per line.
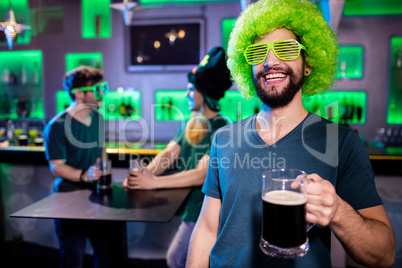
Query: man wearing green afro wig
x=280, y=50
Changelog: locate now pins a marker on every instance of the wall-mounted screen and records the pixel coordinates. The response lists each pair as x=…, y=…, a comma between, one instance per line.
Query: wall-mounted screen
x=170, y=44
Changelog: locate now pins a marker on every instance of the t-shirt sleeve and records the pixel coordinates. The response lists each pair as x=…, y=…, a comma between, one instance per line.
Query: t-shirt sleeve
x=356, y=183
x=55, y=142
x=211, y=185
x=180, y=134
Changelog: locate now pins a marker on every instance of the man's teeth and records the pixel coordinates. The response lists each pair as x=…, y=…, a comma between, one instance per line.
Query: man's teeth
x=275, y=76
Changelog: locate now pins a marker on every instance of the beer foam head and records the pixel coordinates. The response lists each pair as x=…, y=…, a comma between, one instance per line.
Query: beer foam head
x=283, y=197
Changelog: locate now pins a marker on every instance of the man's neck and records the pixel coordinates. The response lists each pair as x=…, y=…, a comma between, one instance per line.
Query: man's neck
x=274, y=124
x=80, y=112
x=208, y=113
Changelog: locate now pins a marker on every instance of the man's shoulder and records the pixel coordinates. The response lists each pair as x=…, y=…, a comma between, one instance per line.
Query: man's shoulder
x=236, y=127
x=234, y=131
x=58, y=119
x=317, y=122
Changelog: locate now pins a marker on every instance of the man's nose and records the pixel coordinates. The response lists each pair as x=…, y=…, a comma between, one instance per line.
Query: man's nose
x=271, y=59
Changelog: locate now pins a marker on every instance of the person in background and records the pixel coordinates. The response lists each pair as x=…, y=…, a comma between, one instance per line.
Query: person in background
x=279, y=50
x=208, y=83
x=74, y=147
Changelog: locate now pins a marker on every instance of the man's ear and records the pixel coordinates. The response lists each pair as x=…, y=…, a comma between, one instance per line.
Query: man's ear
x=307, y=70
x=79, y=95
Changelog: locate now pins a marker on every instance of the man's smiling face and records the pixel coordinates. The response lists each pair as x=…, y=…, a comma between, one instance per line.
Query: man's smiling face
x=276, y=81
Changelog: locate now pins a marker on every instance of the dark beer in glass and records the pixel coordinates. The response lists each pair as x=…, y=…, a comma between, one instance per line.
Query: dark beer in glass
x=284, y=222
x=284, y=230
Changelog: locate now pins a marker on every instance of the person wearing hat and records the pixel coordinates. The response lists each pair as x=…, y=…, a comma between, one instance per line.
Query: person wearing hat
x=208, y=83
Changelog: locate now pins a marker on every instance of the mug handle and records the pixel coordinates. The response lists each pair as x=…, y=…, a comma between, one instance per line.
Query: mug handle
x=309, y=226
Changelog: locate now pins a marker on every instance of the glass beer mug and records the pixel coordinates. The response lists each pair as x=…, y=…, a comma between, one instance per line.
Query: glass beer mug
x=284, y=227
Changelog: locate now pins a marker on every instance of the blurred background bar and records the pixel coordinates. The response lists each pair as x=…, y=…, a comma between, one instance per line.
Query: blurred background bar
x=146, y=61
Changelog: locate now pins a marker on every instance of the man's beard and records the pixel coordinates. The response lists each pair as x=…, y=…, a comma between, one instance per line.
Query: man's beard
x=274, y=98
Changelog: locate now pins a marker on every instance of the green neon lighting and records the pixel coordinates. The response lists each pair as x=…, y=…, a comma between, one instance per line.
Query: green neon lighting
x=227, y=27
x=74, y=60
x=236, y=108
x=96, y=22
x=111, y=107
x=339, y=106
x=394, y=115
x=171, y=105
x=372, y=7
x=350, y=62
x=28, y=90
x=22, y=16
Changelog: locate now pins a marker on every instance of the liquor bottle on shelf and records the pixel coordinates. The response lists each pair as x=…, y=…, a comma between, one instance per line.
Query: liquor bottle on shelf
x=12, y=80
x=343, y=69
x=5, y=76
x=350, y=109
x=122, y=108
x=170, y=108
x=399, y=58
x=359, y=111
x=35, y=75
x=23, y=75
x=98, y=19
x=163, y=108
x=129, y=107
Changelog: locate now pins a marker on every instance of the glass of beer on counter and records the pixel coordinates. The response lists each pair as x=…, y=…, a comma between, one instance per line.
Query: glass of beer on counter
x=105, y=181
x=284, y=228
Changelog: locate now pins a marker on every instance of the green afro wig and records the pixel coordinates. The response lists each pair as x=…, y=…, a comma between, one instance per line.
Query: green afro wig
x=305, y=21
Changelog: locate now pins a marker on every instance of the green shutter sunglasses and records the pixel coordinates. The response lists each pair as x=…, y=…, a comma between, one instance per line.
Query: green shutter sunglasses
x=98, y=88
x=286, y=50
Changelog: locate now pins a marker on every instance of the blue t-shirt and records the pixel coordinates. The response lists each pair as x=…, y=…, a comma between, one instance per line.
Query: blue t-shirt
x=237, y=160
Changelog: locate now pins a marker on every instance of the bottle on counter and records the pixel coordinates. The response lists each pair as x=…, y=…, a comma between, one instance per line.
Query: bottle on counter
x=10, y=131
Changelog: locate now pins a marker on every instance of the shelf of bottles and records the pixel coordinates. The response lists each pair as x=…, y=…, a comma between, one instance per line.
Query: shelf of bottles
x=22, y=16
x=172, y=105
x=21, y=85
x=350, y=62
x=115, y=106
x=74, y=60
x=372, y=7
x=394, y=115
x=347, y=107
x=96, y=22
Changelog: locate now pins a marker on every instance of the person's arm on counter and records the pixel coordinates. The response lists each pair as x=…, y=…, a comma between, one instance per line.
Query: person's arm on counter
x=147, y=181
x=59, y=168
x=165, y=158
x=160, y=162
